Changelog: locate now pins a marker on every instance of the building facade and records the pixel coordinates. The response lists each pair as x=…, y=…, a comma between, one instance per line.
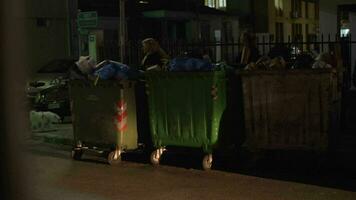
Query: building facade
x=48, y=32
x=296, y=18
x=280, y=18
x=175, y=21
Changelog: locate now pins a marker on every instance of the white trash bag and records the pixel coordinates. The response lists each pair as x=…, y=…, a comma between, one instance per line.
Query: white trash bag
x=44, y=121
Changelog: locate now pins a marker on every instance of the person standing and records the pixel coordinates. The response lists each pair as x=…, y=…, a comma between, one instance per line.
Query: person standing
x=155, y=58
x=249, y=52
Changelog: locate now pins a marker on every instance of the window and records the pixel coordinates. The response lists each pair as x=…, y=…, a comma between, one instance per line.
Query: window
x=210, y=3
x=297, y=32
x=205, y=31
x=306, y=10
x=307, y=36
x=296, y=8
x=278, y=4
x=222, y=4
x=218, y=4
x=227, y=31
x=279, y=32
x=344, y=32
x=316, y=7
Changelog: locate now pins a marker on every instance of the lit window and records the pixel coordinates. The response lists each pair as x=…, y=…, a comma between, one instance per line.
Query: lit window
x=344, y=32
x=222, y=4
x=210, y=3
x=218, y=4
x=278, y=4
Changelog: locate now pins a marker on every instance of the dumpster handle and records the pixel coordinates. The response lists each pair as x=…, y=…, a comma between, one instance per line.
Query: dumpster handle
x=121, y=132
x=96, y=80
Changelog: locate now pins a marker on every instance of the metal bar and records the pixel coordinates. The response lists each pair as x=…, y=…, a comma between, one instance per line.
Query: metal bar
x=264, y=43
x=122, y=31
x=322, y=43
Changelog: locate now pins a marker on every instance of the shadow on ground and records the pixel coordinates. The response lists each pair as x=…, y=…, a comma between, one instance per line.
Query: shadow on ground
x=334, y=170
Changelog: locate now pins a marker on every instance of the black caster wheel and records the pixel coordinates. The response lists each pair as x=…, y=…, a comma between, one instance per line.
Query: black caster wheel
x=155, y=157
x=77, y=154
x=207, y=162
x=114, y=158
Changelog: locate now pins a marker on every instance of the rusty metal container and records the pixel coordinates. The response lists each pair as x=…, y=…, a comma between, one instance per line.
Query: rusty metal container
x=290, y=109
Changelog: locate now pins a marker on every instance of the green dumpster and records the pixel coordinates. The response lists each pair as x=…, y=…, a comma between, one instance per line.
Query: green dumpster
x=185, y=110
x=104, y=118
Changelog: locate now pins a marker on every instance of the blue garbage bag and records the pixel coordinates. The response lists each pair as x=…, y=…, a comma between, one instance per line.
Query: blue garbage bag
x=116, y=71
x=190, y=64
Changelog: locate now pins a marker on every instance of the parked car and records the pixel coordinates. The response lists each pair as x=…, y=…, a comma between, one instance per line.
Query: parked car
x=48, y=90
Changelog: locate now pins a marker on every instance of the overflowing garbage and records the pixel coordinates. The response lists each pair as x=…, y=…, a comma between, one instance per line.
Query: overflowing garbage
x=111, y=70
x=190, y=64
x=302, y=61
x=267, y=63
x=43, y=121
x=106, y=120
x=86, y=68
x=283, y=56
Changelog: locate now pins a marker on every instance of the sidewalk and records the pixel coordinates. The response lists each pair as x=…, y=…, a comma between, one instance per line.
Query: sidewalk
x=61, y=134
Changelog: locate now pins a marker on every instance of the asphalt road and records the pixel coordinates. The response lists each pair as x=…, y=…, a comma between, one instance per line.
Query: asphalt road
x=51, y=174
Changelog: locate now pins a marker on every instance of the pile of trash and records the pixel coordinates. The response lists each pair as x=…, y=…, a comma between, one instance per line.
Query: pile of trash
x=86, y=67
x=193, y=61
x=265, y=63
x=44, y=121
x=189, y=64
x=302, y=61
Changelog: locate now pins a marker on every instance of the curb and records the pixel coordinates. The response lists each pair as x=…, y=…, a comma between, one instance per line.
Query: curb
x=54, y=140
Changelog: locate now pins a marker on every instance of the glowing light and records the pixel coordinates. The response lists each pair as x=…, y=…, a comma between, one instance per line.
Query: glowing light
x=143, y=2
x=215, y=3
x=278, y=4
x=344, y=32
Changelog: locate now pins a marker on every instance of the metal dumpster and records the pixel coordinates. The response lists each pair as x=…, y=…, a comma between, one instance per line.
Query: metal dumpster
x=290, y=109
x=104, y=118
x=185, y=109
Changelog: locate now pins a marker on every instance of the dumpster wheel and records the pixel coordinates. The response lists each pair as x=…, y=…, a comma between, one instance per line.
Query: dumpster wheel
x=156, y=156
x=114, y=157
x=77, y=154
x=207, y=162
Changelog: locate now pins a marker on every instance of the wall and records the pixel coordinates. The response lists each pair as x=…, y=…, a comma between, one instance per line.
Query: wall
x=48, y=40
x=239, y=7
x=328, y=23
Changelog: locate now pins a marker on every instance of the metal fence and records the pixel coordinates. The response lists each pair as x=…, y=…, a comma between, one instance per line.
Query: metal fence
x=228, y=50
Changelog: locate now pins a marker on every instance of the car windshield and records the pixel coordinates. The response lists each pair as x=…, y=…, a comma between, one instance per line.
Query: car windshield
x=57, y=66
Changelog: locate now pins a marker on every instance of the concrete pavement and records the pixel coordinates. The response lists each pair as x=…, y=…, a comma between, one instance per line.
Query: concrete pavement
x=53, y=175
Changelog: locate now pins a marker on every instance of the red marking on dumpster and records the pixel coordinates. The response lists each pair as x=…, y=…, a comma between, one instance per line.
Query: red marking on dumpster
x=121, y=117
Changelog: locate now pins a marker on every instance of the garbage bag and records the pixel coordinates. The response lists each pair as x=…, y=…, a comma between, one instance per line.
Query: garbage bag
x=321, y=65
x=43, y=121
x=303, y=61
x=82, y=68
x=323, y=61
x=190, y=64
x=116, y=71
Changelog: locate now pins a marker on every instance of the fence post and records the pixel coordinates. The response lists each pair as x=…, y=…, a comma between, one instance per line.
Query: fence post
x=264, y=43
x=269, y=42
x=322, y=43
